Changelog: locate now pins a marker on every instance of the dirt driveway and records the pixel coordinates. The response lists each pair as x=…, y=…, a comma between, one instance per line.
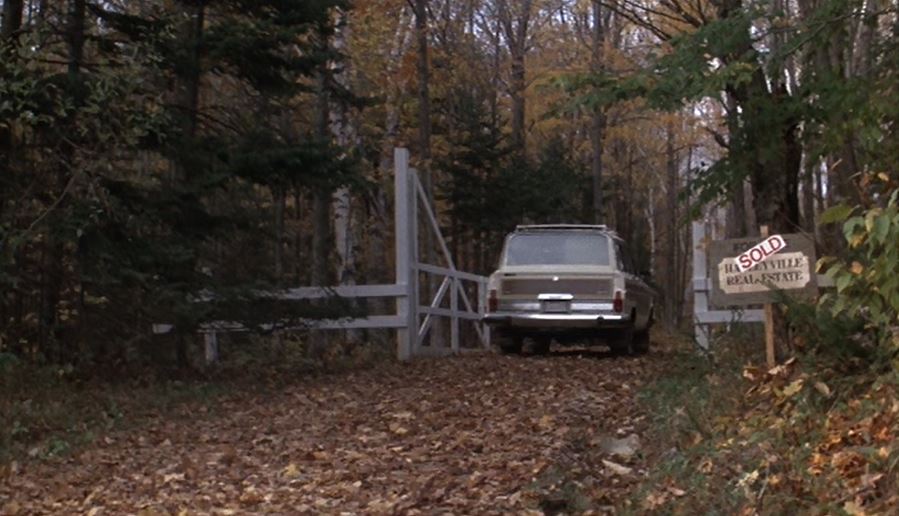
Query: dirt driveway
x=468, y=435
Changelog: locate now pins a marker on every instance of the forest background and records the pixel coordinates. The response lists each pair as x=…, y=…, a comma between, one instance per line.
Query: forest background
x=154, y=150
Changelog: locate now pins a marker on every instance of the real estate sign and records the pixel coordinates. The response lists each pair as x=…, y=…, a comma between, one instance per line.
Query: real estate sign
x=748, y=271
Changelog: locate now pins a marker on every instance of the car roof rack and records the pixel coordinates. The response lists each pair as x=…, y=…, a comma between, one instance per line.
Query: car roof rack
x=582, y=227
x=537, y=227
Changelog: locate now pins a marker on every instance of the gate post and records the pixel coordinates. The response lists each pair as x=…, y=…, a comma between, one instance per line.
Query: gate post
x=405, y=244
x=482, y=311
x=414, y=288
x=454, y=308
x=701, y=284
x=211, y=347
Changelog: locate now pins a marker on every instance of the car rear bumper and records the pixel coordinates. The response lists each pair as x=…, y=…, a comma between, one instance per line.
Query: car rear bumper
x=553, y=321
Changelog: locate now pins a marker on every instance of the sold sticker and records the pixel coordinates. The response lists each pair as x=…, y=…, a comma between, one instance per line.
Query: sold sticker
x=760, y=252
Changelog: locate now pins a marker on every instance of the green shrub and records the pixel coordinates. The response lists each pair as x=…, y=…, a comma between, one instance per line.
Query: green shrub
x=867, y=278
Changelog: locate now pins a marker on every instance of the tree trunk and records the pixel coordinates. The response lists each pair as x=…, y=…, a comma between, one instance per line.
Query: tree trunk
x=775, y=180
x=673, y=296
x=343, y=236
x=9, y=31
x=54, y=272
x=599, y=119
x=685, y=243
x=279, y=196
x=379, y=241
x=517, y=91
x=188, y=101
x=321, y=208
x=346, y=136
x=516, y=29
x=424, y=151
x=424, y=95
x=650, y=213
x=12, y=20
x=189, y=83
x=808, y=195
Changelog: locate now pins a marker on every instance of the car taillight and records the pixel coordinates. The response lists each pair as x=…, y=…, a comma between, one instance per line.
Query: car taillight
x=618, y=303
x=492, y=301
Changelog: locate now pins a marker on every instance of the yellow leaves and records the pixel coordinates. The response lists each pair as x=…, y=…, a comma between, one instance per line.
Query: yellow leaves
x=546, y=422
x=847, y=462
x=853, y=508
x=655, y=500
x=676, y=491
x=752, y=373
x=749, y=479
x=12, y=508
x=823, y=389
x=793, y=388
x=320, y=455
x=172, y=477
x=398, y=429
x=291, y=471
x=616, y=468
x=817, y=464
x=251, y=496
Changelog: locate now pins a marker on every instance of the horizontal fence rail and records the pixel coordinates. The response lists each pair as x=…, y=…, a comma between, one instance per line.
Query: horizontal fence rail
x=410, y=332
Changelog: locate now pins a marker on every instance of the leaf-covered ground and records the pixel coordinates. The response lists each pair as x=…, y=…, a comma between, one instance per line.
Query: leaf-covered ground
x=476, y=434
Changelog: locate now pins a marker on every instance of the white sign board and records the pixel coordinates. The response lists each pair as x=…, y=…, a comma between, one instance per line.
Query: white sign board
x=789, y=271
x=766, y=267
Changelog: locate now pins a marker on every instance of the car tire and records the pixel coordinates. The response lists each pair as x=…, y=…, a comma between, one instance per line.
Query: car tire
x=541, y=346
x=641, y=342
x=621, y=341
x=508, y=344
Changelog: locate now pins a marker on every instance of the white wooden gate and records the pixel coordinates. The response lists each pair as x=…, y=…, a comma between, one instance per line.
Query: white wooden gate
x=419, y=319
x=412, y=320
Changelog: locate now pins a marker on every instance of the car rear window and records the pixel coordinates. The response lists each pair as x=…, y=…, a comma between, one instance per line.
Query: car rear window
x=557, y=248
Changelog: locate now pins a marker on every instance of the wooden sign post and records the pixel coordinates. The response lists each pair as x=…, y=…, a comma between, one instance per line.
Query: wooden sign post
x=769, y=321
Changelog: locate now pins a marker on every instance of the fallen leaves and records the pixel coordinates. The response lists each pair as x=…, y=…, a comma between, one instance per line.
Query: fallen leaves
x=398, y=429
x=624, y=448
x=793, y=388
x=473, y=435
x=290, y=471
x=854, y=508
x=823, y=389
x=801, y=438
x=616, y=468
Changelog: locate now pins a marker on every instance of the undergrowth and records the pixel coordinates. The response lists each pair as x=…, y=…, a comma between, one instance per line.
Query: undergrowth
x=813, y=436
